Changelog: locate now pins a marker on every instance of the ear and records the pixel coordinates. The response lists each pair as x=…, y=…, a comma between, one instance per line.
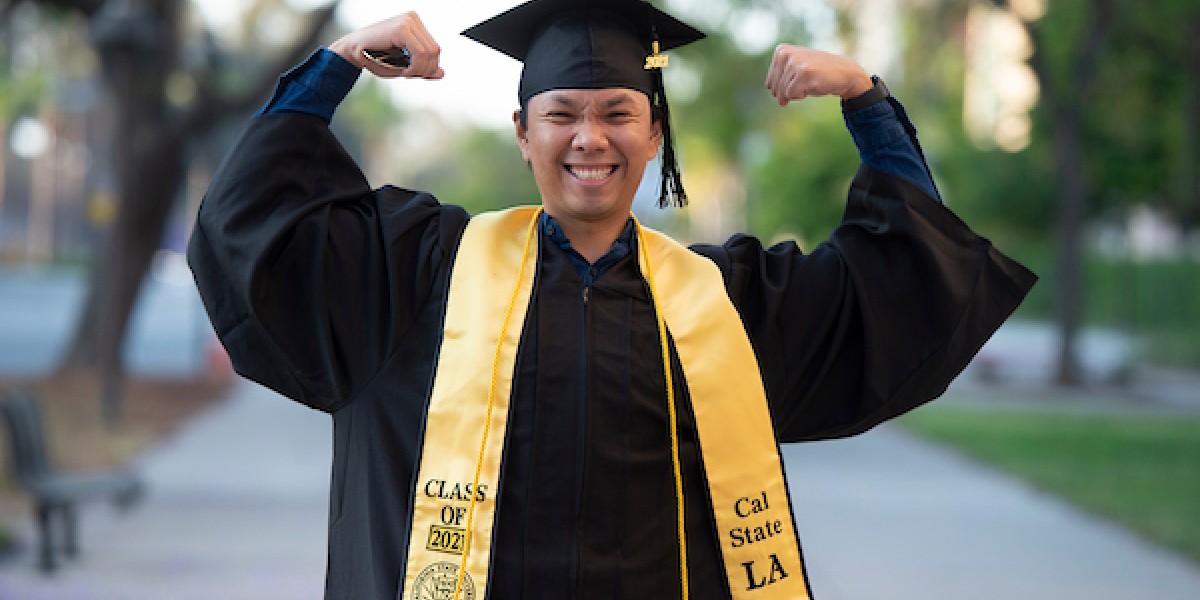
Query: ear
x=522, y=135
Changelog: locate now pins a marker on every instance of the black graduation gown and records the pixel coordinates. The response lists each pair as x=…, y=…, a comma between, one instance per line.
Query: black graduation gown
x=332, y=294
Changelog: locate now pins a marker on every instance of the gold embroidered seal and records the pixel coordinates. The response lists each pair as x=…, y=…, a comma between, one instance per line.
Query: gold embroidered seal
x=436, y=582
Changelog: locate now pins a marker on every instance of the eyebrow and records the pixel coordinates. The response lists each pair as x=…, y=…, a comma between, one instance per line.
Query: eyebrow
x=622, y=98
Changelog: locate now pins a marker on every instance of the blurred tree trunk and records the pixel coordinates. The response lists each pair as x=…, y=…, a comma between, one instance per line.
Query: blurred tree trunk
x=1066, y=94
x=138, y=42
x=1192, y=124
x=138, y=45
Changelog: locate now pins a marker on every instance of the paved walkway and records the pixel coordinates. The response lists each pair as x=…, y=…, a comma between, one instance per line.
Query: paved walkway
x=238, y=504
x=235, y=511
x=884, y=516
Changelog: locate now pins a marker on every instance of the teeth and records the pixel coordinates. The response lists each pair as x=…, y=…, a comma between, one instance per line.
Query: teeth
x=592, y=173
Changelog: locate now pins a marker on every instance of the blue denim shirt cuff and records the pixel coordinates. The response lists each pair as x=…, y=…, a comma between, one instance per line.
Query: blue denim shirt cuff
x=882, y=135
x=316, y=86
x=875, y=126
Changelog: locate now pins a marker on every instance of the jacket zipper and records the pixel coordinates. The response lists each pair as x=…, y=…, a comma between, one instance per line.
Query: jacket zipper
x=581, y=448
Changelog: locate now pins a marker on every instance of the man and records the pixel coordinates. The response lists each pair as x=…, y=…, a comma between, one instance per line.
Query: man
x=562, y=404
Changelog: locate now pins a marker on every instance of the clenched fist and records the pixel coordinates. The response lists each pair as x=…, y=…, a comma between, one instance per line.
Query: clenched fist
x=797, y=72
x=402, y=32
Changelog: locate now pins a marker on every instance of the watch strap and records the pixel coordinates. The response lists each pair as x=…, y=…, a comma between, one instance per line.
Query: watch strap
x=877, y=93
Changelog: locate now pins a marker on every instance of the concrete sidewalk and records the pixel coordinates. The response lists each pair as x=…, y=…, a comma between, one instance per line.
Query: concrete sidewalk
x=237, y=510
x=885, y=516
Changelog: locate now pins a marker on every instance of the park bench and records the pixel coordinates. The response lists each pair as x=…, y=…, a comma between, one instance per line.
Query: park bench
x=56, y=495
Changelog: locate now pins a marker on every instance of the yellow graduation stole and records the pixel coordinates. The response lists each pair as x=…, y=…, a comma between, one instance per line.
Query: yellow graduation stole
x=458, y=481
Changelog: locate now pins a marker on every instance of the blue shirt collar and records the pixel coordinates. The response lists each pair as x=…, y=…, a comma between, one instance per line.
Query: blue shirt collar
x=589, y=272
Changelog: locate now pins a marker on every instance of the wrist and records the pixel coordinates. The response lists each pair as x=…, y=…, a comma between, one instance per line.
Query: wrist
x=877, y=92
x=348, y=51
x=860, y=85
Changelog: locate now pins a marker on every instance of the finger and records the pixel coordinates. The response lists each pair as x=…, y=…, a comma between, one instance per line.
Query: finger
x=783, y=83
x=432, y=54
x=785, y=89
x=424, y=59
x=418, y=62
x=424, y=64
x=778, y=65
x=798, y=90
x=423, y=43
x=380, y=69
x=779, y=85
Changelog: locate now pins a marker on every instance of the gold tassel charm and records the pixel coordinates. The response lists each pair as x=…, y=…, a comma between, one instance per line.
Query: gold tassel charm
x=656, y=60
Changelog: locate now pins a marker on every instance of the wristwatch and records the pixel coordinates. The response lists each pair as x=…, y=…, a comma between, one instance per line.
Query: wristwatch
x=877, y=93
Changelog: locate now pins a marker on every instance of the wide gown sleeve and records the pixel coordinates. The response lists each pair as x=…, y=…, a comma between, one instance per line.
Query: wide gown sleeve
x=309, y=276
x=876, y=320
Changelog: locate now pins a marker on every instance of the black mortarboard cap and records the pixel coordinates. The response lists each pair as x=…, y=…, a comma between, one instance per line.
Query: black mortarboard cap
x=592, y=44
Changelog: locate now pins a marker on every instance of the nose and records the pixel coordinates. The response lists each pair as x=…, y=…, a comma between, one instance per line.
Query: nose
x=590, y=136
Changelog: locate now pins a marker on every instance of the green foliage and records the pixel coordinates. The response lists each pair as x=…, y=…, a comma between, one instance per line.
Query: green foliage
x=1157, y=300
x=800, y=188
x=1000, y=193
x=1037, y=256
x=1138, y=121
x=732, y=101
x=797, y=161
x=367, y=107
x=1008, y=196
x=39, y=47
x=21, y=93
x=1137, y=469
x=483, y=171
x=1140, y=145
x=1160, y=299
x=1144, y=295
x=478, y=169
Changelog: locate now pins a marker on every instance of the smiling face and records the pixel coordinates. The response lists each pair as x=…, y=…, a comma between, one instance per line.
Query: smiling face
x=588, y=150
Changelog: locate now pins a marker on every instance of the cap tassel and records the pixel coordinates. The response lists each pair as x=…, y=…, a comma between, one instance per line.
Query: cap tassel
x=671, y=191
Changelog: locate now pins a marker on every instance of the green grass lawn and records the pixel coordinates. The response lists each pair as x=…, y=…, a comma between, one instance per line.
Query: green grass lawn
x=1140, y=470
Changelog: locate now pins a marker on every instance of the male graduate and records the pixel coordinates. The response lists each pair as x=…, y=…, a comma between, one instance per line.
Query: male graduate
x=552, y=401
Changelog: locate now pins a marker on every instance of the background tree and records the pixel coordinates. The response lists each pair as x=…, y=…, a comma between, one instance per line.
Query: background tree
x=1113, y=128
x=140, y=44
x=1068, y=76
x=1116, y=106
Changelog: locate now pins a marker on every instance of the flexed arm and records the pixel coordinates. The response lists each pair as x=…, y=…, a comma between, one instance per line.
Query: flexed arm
x=319, y=84
x=403, y=32
x=311, y=278
x=882, y=316
x=886, y=139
